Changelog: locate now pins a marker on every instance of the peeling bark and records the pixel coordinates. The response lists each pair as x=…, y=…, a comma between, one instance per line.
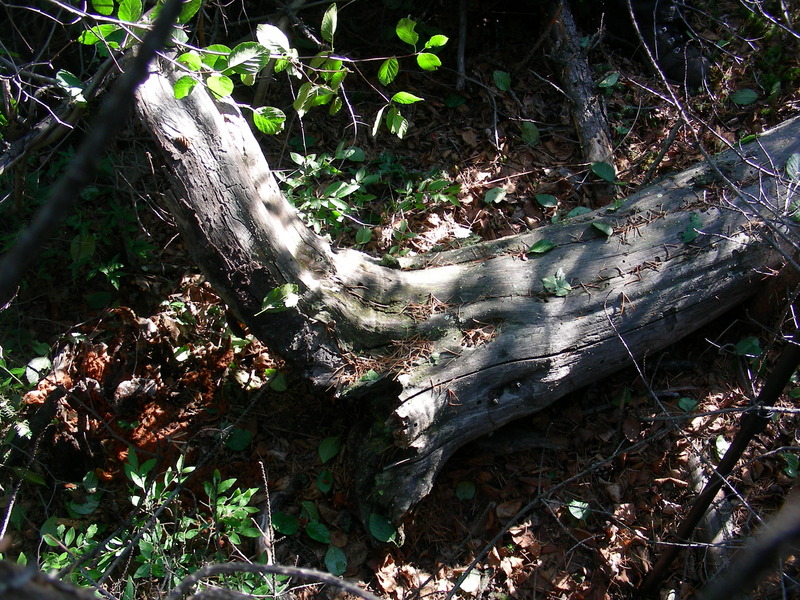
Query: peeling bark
x=468, y=339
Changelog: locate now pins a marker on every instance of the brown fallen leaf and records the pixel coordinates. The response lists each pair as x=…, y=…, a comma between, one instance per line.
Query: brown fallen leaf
x=506, y=510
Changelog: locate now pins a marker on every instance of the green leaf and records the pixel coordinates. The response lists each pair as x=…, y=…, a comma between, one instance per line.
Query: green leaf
x=340, y=189
x=95, y=34
x=280, y=299
x=381, y=528
x=396, y=122
x=437, y=41
x=216, y=56
x=239, y=439
x=329, y=20
x=465, y=490
x=318, y=532
x=557, y=284
x=363, y=236
x=547, y=200
x=502, y=80
x=693, y=229
x=190, y=8
x=793, y=166
x=273, y=39
x=335, y=561
x=82, y=247
x=49, y=532
x=388, y=70
x=184, y=86
x=325, y=481
x=749, y=346
x=792, y=464
x=605, y=228
x=494, y=195
x=248, y=57
x=454, y=101
x=744, y=97
x=130, y=10
x=103, y=7
x=353, y=153
x=310, y=95
x=579, y=510
x=370, y=375
x=609, y=81
x=578, y=211
x=278, y=383
x=285, y=524
x=251, y=532
x=309, y=511
x=376, y=125
x=405, y=31
x=72, y=85
x=29, y=476
x=192, y=60
x=406, y=98
x=428, y=61
x=220, y=85
x=541, y=247
x=530, y=133
x=336, y=106
x=604, y=171
x=329, y=447
x=269, y=120
x=687, y=404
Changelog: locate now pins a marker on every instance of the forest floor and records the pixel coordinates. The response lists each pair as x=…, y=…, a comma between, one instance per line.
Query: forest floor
x=153, y=363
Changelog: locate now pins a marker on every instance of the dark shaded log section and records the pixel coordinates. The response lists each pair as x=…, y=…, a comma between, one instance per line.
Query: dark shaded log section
x=468, y=339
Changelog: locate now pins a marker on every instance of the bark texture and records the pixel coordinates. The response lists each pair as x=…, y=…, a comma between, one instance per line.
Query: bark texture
x=465, y=340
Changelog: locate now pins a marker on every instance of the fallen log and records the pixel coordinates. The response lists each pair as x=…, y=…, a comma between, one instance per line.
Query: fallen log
x=443, y=348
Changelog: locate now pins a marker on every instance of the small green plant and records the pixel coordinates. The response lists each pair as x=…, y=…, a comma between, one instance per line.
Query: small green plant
x=230, y=509
x=287, y=524
x=557, y=284
x=395, y=122
x=749, y=347
x=465, y=490
x=579, y=509
x=169, y=546
x=609, y=82
x=12, y=387
x=349, y=207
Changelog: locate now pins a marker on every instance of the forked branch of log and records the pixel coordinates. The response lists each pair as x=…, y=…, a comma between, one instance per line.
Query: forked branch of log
x=465, y=340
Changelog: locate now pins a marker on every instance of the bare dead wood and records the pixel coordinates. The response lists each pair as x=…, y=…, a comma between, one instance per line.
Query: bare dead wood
x=588, y=109
x=465, y=340
x=20, y=583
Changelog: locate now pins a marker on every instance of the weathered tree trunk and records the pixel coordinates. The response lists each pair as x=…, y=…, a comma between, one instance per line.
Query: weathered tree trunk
x=465, y=340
